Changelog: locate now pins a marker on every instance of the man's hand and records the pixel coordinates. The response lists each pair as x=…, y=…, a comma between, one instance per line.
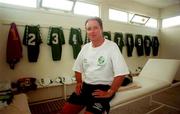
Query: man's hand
x=103, y=94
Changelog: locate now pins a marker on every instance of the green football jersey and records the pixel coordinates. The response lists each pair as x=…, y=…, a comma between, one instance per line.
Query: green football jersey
x=118, y=39
x=75, y=39
x=32, y=39
x=56, y=40
x=107, y=35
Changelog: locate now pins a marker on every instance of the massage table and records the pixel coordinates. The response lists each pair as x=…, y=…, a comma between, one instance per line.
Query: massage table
x=156, y=76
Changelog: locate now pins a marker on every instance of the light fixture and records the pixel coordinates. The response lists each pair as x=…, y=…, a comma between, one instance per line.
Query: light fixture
x=140, y=19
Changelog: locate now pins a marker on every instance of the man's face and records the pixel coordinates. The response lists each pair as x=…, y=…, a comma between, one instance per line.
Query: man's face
x=93, y=29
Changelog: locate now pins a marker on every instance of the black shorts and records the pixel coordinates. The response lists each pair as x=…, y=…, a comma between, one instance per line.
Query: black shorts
x=92, y=104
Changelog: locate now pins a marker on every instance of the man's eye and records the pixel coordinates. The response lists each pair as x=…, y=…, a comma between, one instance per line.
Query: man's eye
x=88, y=29
x=92, y=28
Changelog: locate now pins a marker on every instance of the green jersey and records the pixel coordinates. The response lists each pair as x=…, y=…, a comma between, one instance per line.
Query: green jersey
x=118, y=39
x=56, y=40
x=107, y=35
x=32, y=39
x=75, y=40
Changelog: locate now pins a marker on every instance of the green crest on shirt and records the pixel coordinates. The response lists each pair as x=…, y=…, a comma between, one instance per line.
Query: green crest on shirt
x=101, y=60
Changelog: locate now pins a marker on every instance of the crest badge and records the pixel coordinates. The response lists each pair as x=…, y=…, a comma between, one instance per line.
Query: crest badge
x=101, y=61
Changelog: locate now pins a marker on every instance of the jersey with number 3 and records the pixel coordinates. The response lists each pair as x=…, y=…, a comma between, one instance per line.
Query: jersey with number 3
x=56, y=40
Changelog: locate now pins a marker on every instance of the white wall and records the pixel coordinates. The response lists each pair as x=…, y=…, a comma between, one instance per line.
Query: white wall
x=170, y=40
x=170, y=11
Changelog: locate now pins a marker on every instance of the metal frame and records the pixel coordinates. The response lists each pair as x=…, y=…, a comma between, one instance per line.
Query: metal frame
x=131, y=21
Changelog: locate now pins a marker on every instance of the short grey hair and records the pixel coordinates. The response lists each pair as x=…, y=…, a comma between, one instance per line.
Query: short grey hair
x=99, y=20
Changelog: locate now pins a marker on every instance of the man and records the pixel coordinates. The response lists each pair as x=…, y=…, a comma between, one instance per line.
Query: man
x=103, y=68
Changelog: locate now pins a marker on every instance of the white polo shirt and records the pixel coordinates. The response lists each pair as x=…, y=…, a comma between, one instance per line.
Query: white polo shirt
x=101, y=64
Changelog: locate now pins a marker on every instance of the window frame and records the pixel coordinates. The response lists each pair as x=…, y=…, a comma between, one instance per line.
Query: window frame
x=58, y=9
x=151, y=25
x=173, y=19
x=15, y=3
x=130, y=16
x=98, y=13
x=119, y=15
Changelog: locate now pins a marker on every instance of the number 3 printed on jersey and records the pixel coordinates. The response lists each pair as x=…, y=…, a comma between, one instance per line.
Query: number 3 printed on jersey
x=55, y=38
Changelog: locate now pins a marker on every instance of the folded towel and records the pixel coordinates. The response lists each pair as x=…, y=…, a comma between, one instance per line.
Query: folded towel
x=130, y=86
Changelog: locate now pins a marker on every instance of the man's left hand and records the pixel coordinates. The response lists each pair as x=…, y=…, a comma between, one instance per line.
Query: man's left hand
x=103, y=94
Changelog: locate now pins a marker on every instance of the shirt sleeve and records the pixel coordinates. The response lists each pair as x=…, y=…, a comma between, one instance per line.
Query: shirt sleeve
x=78, y=64
x=119, y=65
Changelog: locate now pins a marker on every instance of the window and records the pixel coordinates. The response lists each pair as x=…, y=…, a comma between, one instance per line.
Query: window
x=132, y=18
x=28, y=3
x=140, y=19
x=152, y=23
x=173, y=21
x=86, y=9
x=117, y=15
x=58, y=4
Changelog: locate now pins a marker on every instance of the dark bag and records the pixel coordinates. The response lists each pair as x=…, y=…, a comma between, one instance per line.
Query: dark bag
x=127, y=80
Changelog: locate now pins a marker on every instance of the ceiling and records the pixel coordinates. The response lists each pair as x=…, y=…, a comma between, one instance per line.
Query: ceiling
x=158, y=3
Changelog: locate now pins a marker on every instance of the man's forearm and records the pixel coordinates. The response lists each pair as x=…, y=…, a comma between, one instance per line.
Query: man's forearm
x=116, y=83
x=78, y=77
